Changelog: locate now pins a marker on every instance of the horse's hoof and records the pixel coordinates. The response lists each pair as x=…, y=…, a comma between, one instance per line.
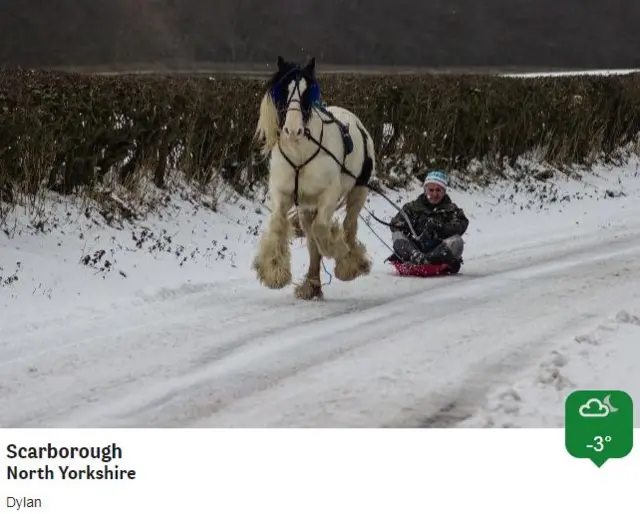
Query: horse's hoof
x=364, y=266
x=273, y=276
x=308, y=291
x=354, y=265
x=345, y=270
x=349, y=269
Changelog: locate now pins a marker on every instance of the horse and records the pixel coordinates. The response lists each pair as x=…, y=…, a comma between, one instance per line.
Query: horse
x=321, y=159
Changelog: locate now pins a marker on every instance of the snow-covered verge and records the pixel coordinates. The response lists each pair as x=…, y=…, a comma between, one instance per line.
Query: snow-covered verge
x=103, y=323
x=66, y=254
x=623, y=71
x=605, y=357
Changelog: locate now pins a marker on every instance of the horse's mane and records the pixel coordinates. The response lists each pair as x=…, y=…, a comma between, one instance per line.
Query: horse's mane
x=267, y=129
x=268, y=120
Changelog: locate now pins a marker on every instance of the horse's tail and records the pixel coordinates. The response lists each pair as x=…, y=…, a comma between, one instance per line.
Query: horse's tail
x=267, y=127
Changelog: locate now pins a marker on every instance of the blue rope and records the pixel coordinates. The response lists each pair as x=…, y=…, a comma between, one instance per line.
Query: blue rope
x=327, y=272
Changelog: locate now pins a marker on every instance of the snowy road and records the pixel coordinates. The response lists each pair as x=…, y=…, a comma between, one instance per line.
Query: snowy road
x=382, y=351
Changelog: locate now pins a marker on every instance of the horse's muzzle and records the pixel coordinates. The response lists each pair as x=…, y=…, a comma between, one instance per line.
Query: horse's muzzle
x=293, y=135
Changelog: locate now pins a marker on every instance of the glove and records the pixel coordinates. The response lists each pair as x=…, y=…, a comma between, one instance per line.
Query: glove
x=427, y=236
x=399, y=224
x=431, y=230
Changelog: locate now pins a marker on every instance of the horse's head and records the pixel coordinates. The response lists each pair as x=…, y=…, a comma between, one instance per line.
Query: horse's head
x=294, y=90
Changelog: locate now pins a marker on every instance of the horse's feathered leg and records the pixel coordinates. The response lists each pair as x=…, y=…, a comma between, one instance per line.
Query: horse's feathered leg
x=311, y=288
x=355, y=263
x=330, y=242
x=273, y=261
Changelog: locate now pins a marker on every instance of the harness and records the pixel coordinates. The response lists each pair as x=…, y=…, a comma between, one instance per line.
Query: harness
x=347, y=141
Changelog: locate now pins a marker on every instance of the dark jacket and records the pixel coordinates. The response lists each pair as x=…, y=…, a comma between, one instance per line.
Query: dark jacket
x=443, y=220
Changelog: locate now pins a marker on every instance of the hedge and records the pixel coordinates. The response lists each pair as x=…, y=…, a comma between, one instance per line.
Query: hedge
x=62, y=131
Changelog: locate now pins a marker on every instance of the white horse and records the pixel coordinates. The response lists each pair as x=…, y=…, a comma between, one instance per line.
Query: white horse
x=321, y=158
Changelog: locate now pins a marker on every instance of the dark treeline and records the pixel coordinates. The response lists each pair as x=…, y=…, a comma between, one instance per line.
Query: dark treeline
x=446, y=33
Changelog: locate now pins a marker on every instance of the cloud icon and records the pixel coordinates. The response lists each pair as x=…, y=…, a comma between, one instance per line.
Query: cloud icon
x=588, y=410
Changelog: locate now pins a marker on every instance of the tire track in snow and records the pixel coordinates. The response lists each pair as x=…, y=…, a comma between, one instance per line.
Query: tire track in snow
x=410, y=389
x=274, y=359
x=220, y=334
x=473, y=362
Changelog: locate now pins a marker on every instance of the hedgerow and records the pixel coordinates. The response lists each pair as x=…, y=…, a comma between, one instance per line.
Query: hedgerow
x=66, y=132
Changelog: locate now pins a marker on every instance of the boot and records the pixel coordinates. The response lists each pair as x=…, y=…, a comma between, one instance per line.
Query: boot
x=455, y=266
x=393, y=258
x=444, y=255
x=441, y=255
x=407, y=252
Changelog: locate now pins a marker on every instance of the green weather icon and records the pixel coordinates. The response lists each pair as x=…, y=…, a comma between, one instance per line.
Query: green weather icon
x=599, y=425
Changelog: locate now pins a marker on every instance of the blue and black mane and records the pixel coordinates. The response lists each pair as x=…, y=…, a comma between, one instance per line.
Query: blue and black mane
x=288, y=71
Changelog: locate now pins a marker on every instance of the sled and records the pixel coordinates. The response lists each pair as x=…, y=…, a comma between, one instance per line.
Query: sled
x=422, y=270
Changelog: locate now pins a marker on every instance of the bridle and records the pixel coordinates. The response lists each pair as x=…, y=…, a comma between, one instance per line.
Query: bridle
x=313, y=91
x=316, y=105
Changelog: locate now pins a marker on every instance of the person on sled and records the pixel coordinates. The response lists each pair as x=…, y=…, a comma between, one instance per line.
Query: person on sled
x=438, y=224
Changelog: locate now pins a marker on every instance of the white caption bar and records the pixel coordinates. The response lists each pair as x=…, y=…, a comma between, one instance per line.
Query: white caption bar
x=306, y=471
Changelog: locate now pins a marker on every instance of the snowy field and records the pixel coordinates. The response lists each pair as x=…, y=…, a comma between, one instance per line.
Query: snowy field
x=162, y=323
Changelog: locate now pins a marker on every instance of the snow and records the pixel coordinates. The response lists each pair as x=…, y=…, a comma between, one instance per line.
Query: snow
x=623, y=71
x=176, y=331
x=604, y=356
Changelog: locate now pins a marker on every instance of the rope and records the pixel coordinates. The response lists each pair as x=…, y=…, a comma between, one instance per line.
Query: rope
x=327, y=272
x=374, y=232
x=366, y=222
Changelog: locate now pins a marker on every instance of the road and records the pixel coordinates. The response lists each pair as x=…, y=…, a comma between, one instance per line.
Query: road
x=382, y=351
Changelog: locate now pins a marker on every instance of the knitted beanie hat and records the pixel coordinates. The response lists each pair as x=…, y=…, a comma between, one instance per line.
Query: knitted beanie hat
x=437, y=177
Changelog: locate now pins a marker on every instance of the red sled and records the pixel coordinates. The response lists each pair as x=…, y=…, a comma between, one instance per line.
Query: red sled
x=422, y=270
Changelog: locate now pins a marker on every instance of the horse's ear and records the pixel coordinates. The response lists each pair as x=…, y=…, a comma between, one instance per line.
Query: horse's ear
x=280, y=63
x=311, y=65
